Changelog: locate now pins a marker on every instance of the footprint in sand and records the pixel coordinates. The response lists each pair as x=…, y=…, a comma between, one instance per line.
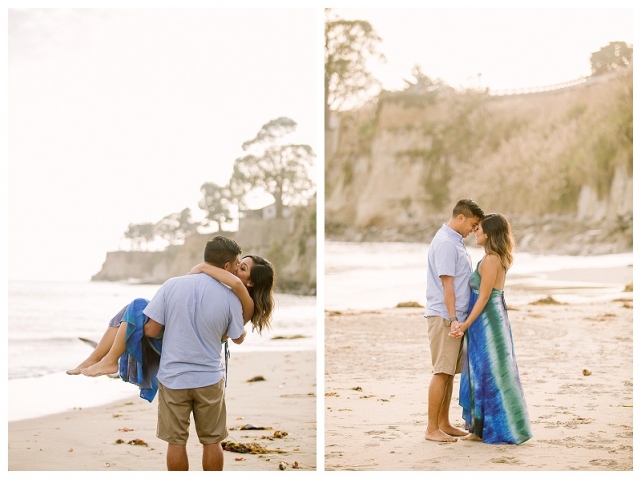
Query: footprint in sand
x=383, y=435
x=505, y=460
x=609, y=463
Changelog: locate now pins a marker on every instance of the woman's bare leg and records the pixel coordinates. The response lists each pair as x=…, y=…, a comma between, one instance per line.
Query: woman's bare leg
x=101, y=350
x=109, y=363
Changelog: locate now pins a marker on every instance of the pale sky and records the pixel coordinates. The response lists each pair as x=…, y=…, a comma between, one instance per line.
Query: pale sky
x=119, y=116
x=509, y=47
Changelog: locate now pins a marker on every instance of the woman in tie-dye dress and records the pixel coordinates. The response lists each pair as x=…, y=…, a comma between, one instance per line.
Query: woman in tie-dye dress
x=491, y=395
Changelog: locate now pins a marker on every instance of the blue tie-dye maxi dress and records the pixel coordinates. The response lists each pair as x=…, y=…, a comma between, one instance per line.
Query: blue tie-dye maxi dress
x=491, y=395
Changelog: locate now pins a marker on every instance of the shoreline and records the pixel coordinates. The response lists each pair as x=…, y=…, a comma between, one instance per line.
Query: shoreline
x=576, y=368
x=567, y=279
x=86, y=438
x=66, y=393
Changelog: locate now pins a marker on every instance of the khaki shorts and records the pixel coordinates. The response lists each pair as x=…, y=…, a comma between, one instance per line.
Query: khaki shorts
x=446, y=350
x=208, y=406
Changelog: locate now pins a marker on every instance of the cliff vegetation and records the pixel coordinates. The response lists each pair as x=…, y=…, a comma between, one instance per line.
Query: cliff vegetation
x=289, y=243
x=557, y=163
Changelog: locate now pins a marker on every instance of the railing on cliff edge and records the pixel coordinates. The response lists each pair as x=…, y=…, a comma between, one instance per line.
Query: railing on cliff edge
x=334, y=120
x=579, y=82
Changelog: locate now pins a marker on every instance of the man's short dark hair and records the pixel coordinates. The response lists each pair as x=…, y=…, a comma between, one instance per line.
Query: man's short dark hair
x=221, y=250
x=467, y=208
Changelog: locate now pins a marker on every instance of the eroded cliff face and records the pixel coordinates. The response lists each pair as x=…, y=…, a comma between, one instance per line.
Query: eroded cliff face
x=552, y=162
x=289, y=243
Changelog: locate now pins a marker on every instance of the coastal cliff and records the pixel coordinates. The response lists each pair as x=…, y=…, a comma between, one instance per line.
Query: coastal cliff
x=289, y=243
x=557, y=163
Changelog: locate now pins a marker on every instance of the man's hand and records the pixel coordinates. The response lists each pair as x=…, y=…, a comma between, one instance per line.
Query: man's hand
x=457, y=329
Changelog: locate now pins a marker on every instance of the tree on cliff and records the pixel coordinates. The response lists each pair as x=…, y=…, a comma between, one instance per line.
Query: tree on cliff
x=217, y=201
x=609, y=58
x=174, y=228
x=274, y=166
x=349, y=44
x=140, y=234
x=421, y=83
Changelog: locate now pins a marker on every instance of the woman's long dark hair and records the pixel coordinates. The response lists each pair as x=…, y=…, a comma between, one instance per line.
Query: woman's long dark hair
x=263, y=277
x=500, y=240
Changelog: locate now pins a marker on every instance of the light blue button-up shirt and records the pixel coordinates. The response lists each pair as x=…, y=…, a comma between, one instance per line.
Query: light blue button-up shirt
x=196, y=311
x=448, y=256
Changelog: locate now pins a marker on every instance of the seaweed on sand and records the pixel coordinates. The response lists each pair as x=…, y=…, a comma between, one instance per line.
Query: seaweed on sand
x=247, y=448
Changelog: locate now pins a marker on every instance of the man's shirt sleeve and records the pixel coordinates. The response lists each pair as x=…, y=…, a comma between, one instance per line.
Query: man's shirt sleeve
x=445, y=259
x=156, y=308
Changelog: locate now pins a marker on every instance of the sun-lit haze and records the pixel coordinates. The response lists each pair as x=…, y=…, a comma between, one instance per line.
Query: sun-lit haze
x=119, y=116
x=495, y=48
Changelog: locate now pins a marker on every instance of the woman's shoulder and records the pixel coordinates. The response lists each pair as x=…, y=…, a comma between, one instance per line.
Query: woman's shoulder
x=491, y=260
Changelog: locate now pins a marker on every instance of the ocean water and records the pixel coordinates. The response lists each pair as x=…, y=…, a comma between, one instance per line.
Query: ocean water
x=366, y=276
x=46, y=320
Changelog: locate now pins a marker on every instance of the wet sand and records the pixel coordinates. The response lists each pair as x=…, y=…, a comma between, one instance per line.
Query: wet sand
x=104, y=438
x=575, y=362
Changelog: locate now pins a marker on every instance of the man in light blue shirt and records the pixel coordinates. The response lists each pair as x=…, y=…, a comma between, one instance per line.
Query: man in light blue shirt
x=448, y=296
x=196, y=312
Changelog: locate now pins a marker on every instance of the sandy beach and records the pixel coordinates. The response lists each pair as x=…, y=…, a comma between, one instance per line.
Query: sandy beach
x=122, y=436
x=576, y=369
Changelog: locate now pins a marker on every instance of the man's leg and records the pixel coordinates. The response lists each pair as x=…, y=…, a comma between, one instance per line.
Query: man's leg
x=444, y=413
x=210, y=418
x=213, y=457
x=174, y=410
x=435, y=403
x=177, y=459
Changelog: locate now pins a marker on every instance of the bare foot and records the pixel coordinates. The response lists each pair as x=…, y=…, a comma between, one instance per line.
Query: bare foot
x=100, y=369
x=439, y=436
x=83, y=365
x=471, y=437
x=454, y=431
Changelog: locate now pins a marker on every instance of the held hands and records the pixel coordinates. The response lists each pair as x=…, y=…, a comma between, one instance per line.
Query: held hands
x=457, y=329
